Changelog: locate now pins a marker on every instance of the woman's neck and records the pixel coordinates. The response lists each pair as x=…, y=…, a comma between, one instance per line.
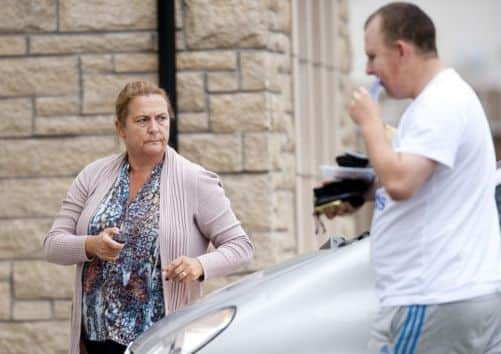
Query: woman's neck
x=143, y=166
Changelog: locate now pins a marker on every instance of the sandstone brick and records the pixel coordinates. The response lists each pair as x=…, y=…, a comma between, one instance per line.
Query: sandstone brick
x=43, y=337
x=180, y=44
x=284, y=211
x=96, y=63
x=202, y=60
x=286, y=178
x=271, y=248
x=38, y=76
x=6, y=298
x=75, y=125
x=100, y=91
x=279, y=42
x=281, y=15
x=12, y=45
x=4, y=269
x=76, y=15
x=42, y=280
x=90, y=43
x=343, y=9
x=283, y=63
x=52, y=157
x=31, y=310
x=136, y=62
x=216, y=152
x=193, y=122
x=21, y=238
x=15, y=117
x=190, y=92
x=225, y=23
x=343, y=54
x=225, y=81
x=257, y=152
x=62, y=309
x=28, y=16
x=56, y=106
x=284, y=82
x=258, y=70
x=251, y=199
x=20, y=196
x=239, y=112
x=178, y=5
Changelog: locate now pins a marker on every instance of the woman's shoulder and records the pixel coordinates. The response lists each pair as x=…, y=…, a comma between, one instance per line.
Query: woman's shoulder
x=102, y=166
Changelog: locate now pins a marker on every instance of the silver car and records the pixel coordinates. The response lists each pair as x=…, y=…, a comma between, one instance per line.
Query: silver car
x=319, y=303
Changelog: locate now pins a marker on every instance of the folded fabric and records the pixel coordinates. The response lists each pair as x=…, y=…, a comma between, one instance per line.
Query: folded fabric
x=348, y=190
x=352, y=159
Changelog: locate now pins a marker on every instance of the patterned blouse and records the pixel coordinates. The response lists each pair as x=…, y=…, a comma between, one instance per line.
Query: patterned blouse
x=122, y=299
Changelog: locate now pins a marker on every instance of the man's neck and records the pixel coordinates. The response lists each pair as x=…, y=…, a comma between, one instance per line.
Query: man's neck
x=425, y=71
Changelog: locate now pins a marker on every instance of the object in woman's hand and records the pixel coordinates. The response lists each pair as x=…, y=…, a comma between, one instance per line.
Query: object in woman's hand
x=349, y=190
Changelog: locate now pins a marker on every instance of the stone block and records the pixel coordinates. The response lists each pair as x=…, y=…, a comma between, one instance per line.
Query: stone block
x=136, y=62
x=286, y=177
x=38, y=76
x=281, y=15
x=62, y=309
x=15, y=117
x=28, y=16
x=225, y=81
x=21, y=238
x=31, y=310
x=283, y=210
x=99, y=15
x=257, y=152
x=6, y=299
x=343, y=54
x=193, y=122
x=178, y=5
x=75, y=125
x=239, y=112
x=180, y=44
x=34, y=280
x=57, y=106
x=90, y=43
x=100, y=91
x=251, y=200
x=206, y=60
x=216, y=152
x=4, y=269
x=42, y=337
x=12, y=45
x=225, y=23
x=258, y=70
x=52, y=157
x=271, y=248
x=96, y=63
x=279, y=42
x=21, y=201
x=190, y=92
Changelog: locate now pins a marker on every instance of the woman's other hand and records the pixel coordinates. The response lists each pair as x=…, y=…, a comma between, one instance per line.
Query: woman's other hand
x=103, y=246
x=184, y=269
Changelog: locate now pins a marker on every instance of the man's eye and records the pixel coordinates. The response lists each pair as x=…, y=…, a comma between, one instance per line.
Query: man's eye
x=142, y=120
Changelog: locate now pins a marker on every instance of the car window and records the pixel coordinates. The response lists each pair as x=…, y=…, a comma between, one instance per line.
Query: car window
x=498, y=202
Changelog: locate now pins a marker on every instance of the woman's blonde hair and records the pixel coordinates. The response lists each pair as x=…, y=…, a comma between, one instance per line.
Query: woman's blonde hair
x=135, y=89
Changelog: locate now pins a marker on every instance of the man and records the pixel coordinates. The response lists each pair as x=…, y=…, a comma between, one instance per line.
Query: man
x=435, y=239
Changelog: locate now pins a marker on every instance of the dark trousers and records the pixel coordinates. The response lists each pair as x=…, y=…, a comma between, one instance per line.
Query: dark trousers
x=108, y=347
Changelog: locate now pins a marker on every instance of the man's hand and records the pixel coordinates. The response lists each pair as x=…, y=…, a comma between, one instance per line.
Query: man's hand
x=103, y=246
x=184, y=269
x=363, y=109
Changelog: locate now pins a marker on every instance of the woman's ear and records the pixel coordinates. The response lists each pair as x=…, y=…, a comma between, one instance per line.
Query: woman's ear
x=119, y=129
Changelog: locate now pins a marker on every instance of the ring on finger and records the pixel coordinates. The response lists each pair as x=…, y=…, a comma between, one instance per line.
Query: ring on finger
x=183, y=273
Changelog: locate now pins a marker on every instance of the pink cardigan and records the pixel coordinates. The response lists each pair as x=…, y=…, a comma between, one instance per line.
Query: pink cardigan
x=193, y=211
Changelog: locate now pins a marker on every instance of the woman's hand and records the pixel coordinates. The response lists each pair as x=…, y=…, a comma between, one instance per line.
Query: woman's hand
x=103, y=246
x=184, y=269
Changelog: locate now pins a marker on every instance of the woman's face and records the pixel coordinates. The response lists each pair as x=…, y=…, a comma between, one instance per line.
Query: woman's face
x=146, y=130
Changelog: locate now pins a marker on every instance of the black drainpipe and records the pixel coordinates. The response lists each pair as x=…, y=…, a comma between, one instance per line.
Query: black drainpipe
x=167, y=58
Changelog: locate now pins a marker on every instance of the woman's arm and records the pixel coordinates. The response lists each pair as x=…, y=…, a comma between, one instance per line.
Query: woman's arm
x=218, y=223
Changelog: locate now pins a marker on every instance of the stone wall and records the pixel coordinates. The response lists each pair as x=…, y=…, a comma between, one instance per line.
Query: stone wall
x=62, y=63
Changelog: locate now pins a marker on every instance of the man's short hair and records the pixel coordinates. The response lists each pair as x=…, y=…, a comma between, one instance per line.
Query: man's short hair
x=406, y=21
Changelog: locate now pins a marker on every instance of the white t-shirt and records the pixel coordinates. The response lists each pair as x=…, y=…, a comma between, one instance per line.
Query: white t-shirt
x=443, y=244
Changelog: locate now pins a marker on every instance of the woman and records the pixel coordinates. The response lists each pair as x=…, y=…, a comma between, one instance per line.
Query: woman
x=137, y=225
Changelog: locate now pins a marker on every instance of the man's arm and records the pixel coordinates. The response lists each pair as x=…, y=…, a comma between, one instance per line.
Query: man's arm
x=401, y=174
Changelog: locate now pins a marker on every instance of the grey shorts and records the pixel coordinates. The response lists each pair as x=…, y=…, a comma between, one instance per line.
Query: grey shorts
x=465, y=327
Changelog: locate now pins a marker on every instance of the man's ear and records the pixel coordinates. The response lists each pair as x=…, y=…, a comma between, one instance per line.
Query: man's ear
x=403, y=48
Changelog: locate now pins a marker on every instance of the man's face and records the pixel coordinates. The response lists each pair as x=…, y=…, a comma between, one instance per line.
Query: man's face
x=382, y=61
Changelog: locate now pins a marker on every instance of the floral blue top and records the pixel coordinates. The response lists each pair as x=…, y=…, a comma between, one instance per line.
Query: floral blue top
x=122, y=299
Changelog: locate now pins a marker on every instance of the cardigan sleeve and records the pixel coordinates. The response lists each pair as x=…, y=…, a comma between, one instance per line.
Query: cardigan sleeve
x=218, y=223
x=61, y=245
